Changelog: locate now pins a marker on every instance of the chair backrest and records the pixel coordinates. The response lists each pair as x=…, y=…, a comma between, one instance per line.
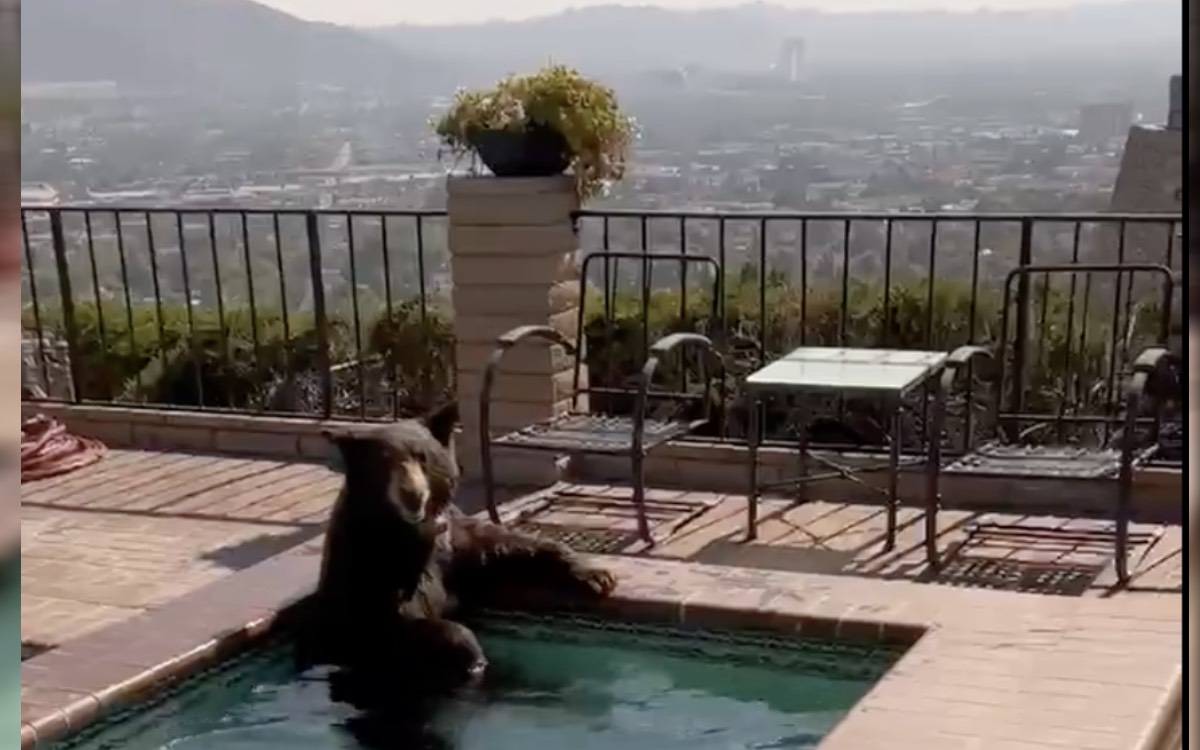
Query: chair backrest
x=1082, y=344
x=627, y=339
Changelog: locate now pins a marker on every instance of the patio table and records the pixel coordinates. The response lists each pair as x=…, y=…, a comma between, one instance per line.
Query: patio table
x=888, y=375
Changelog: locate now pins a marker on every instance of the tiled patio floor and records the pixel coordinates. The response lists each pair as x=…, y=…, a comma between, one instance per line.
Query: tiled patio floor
x=141, y=528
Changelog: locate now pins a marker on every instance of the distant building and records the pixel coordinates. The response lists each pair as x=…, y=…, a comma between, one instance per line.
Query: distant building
x=1175, y=103
x=791, y=60
x=1100, y=123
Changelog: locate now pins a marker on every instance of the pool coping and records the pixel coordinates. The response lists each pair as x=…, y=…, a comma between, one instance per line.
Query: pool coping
x=113, y=669
x=70, y=687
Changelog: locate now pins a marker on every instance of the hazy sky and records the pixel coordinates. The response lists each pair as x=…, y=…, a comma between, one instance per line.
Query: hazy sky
x=381, y=12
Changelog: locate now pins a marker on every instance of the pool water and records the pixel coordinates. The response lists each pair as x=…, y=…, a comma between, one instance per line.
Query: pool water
x=552, y=683
x=10, y=630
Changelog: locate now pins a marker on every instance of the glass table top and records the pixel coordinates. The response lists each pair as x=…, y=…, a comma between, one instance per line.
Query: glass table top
x=829, y=369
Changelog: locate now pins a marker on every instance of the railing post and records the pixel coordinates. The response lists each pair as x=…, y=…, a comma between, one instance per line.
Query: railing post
x=67, y=299
x=513, y=263
x=320, y=316
x=1017, y=400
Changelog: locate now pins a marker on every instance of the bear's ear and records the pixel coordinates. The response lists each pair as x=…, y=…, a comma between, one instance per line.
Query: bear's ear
x=348, y=448
x=442, y=421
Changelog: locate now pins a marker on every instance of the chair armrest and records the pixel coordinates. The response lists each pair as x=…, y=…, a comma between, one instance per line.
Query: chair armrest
x=503, y=345
x=661, y=348
x=1150, y=362
x=546, y=333
x=960, y=359
x=666, y=345
x=673, y=340
x=1153, y=358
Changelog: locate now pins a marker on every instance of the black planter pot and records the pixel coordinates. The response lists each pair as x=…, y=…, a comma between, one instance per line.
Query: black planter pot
x=536, y=152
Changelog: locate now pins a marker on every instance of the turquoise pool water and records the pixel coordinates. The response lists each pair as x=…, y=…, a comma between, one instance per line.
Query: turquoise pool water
x=10, y=630
x=553, y=684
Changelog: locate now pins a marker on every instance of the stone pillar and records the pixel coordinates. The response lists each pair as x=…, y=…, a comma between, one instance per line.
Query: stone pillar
x=513, y=262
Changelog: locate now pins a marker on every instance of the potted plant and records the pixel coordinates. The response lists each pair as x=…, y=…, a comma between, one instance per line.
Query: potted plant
x=541, y=125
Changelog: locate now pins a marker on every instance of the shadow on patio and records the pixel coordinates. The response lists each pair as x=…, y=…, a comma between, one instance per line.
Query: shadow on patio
x=1032, y=554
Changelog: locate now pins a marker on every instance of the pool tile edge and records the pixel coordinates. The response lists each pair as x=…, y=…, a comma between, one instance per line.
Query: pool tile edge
x=193, y=632
x=121, y=672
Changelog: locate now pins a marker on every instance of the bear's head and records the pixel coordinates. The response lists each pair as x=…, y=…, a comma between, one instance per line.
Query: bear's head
x=406, y=469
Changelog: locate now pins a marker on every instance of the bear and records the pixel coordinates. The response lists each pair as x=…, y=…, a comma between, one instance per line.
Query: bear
x=400, y=559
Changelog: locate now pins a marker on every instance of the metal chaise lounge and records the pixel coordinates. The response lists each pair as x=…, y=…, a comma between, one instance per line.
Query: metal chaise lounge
x=579, y=432
x=1109, y=465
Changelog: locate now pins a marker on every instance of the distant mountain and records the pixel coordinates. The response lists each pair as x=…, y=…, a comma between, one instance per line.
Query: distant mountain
x=613, y=39
x=212, y=46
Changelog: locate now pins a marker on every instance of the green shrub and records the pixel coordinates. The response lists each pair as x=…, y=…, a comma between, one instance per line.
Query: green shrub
x=138, y=355
x=231, y=363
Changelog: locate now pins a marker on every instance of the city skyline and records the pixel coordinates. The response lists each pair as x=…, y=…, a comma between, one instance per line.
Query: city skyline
x=368, y=13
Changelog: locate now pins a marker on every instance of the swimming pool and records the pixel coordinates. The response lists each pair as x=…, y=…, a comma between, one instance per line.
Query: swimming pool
x=553, y=683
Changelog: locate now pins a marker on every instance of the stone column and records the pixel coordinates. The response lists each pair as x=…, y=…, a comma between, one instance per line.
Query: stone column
x=513, y=262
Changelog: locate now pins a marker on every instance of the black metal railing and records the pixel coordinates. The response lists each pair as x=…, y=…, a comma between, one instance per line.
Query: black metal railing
x=345, y=312
x=907, y=281
x=317, y=312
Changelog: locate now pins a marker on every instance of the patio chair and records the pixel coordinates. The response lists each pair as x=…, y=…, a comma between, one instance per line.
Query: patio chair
x=1012, y=454
x=636, y=434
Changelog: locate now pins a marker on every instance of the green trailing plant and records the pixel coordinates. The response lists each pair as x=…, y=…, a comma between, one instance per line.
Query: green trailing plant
x=585, y=113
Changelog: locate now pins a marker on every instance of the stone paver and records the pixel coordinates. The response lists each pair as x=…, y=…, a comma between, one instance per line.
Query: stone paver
x=140, y=529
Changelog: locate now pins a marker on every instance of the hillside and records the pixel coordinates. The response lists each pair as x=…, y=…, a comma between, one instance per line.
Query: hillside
x=215, y=45
x=627, y=38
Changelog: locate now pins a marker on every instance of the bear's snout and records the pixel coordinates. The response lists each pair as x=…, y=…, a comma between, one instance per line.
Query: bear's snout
x=409, y=491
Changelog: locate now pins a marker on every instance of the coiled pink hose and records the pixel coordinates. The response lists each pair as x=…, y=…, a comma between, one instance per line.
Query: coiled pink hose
x=48, y=450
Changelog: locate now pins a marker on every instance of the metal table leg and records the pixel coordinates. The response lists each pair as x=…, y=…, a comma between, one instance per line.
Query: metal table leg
x=753, y=437
x=933, y=470
x=802, y=458
x=1124, y=509
x=639, y=497
x=893, y=499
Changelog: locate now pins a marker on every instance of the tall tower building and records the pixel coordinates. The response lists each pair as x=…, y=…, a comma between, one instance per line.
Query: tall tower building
x=791, y=59
x=1175, y=103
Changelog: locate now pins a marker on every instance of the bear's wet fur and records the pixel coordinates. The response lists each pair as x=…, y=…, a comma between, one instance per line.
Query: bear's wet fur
x=400, y=559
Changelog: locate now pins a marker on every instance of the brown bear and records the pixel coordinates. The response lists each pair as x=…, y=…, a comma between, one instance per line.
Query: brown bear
x=400, y=559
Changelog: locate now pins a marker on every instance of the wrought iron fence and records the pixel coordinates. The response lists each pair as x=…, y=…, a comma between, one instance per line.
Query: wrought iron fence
x=907, y=281
x=345, y=312
x=318, y=312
